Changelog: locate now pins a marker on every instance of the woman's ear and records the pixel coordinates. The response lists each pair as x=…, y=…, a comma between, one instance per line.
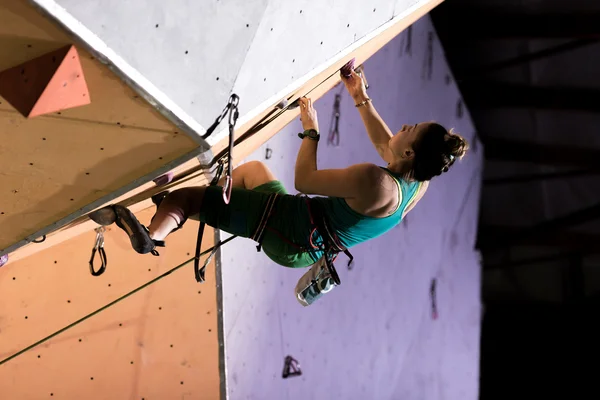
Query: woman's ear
x=407, y=154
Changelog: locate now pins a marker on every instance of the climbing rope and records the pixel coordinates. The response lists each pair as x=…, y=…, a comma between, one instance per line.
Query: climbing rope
x=112, y=303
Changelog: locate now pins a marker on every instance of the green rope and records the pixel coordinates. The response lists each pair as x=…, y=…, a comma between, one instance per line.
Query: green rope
x=110, y=304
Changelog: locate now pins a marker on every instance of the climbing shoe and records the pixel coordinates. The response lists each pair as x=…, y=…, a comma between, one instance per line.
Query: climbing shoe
x=138, y=233
x=104, y=216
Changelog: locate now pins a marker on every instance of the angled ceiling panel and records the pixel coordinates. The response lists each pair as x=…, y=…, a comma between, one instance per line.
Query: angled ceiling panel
x=197, y=53
x=190, y=50
x=55, y=165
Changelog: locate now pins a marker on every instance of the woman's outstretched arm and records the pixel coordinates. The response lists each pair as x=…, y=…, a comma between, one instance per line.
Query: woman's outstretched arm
x=378, y=131
x=350, y=182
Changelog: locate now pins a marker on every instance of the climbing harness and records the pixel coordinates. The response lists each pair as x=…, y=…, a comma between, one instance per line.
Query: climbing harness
x=99, y=248
x=334, y=132
x=322, y=277
x=232, y=109
x=259, y=233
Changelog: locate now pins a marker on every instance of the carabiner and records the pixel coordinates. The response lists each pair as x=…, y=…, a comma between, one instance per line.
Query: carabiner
x=227, y=189
x=99, y=247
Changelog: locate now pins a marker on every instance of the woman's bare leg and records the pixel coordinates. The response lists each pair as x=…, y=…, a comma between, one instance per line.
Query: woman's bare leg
x=182, y=203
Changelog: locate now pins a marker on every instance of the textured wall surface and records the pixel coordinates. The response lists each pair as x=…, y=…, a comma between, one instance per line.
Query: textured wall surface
x=54, y=165
x=159, y=343
x=373, y=337
x=176, y=51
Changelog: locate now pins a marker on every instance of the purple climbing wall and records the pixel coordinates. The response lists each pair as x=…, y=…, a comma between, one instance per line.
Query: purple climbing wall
x=374, y=336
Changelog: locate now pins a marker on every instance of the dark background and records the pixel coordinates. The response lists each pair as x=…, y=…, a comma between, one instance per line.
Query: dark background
x=529, y=72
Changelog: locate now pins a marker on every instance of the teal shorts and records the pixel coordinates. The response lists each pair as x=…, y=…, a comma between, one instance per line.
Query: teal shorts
x=287, y=233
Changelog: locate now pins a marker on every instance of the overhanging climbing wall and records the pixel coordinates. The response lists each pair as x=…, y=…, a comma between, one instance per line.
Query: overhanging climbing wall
x=162, y=342
x=373, y=337
x=263, y=50
x=185, y=61
x=57, y=164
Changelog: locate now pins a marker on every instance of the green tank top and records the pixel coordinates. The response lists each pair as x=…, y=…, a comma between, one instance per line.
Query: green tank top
x=353, y=228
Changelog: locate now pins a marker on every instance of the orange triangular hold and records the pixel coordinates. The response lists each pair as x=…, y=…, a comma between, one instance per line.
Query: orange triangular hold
x=50, y=83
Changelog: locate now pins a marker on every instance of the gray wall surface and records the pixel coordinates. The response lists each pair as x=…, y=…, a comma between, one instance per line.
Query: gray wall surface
x=198, y=52
x=373, y=337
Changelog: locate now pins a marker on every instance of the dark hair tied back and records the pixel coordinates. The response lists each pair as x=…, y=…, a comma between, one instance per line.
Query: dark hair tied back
x=436, y=150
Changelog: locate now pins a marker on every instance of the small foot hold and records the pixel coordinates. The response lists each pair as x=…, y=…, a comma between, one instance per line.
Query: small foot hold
x=138, y=234
x=104, y=216
x=3, y=260
x=164, y=179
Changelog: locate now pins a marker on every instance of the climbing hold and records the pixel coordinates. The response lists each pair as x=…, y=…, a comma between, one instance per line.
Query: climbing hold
x=291, y=367
x=3, y=260
x=347, y=68
x=47, y=84
x=164, y=179
x=282, y=104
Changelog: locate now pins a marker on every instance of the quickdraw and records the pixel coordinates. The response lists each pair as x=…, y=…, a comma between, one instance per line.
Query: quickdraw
x=334, y=132
x=99, y=248
x=232, y=109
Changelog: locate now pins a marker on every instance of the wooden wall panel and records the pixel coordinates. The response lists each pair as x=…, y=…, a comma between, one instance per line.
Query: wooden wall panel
x=53, y=165
x=145, y=346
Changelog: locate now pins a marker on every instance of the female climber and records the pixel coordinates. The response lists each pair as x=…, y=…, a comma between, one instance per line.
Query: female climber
x=359, y=203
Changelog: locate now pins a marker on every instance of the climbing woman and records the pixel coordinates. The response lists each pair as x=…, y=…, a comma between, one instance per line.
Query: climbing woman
x=349, y=205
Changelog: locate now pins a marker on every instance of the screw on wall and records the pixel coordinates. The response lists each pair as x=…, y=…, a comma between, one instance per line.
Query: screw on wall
x=427, y=70
x=268, y=153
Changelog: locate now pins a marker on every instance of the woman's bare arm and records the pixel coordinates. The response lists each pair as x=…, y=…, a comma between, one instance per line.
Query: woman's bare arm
x=378, y=131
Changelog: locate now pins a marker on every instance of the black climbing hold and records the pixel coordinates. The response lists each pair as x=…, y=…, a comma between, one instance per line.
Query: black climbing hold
x=291, y=367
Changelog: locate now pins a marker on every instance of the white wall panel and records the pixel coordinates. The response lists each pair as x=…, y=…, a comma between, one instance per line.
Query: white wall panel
x=372, y=337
